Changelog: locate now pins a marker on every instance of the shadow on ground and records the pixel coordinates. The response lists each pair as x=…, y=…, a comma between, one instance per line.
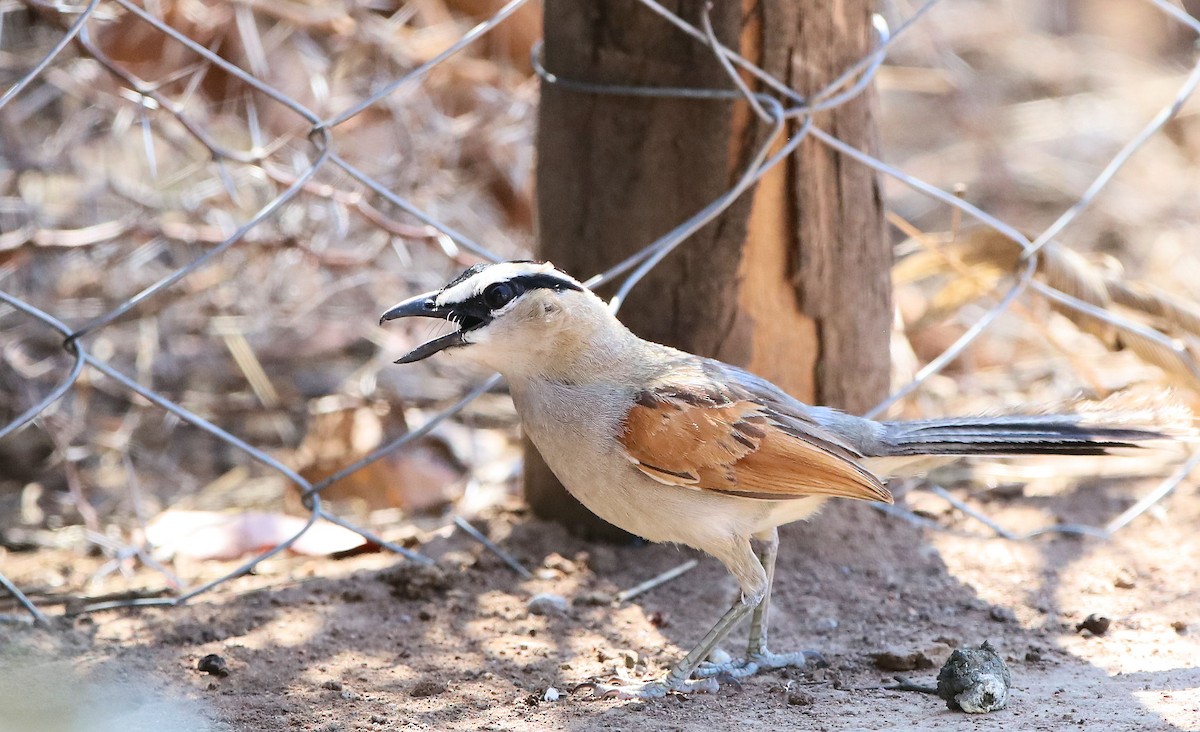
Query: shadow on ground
x=388, y=645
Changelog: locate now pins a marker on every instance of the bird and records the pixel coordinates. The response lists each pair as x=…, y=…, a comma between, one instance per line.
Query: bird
x=678, y=448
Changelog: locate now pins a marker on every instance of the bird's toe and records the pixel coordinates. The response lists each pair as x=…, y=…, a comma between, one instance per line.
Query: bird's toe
x=647, y=690
x=764, y=660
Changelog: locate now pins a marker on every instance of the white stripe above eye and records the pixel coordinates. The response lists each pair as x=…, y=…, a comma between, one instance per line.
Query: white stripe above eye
x=500, y=272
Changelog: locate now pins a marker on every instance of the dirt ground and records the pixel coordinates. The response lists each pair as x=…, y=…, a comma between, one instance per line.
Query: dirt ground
x=373, y=642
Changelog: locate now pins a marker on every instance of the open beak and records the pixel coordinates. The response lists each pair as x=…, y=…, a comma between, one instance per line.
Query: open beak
x=424, y=306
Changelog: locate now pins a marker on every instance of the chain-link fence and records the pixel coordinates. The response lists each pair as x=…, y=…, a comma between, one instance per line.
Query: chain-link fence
x=259, y=216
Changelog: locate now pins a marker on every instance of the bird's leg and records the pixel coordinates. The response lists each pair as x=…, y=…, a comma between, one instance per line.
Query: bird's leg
x=757, y=656
x=767, y=553
x=748, y=570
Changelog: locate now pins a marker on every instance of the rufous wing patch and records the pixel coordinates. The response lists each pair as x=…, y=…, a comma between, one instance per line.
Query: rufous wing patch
x=691, y=437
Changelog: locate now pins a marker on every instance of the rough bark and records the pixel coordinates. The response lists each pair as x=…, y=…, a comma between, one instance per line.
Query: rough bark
x=841, y=259
x=792, y=281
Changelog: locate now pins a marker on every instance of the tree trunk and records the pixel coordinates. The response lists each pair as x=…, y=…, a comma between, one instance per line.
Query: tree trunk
x=792, y=282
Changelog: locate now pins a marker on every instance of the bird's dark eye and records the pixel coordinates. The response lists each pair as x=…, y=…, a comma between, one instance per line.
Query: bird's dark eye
x=499, y=294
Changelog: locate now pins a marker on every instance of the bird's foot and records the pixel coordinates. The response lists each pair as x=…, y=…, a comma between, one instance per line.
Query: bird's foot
x=649, y=689
x=740, y=668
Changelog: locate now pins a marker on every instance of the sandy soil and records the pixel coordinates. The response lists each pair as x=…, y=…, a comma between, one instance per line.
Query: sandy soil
x=375, y=643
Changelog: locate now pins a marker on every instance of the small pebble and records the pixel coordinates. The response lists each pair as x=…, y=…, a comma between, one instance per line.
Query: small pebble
x=594, y=597
x=1095, y=623
x=826, y=625
x=800, y=699
x=457, y=561
x=551, y=695
x=332, y=685
x=560, y=563
x=547, y=604
x=1005, y=491
x=1180, y=627
x=427, y=686
x=1125, y=580
x=213, y=664
x=937, y=653
x=620, y=657
x=898, y=660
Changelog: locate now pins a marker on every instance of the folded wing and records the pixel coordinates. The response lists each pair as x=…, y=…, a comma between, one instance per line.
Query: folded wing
x=696, y=432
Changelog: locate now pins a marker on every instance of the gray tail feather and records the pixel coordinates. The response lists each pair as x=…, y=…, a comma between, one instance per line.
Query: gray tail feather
x=1011, y=435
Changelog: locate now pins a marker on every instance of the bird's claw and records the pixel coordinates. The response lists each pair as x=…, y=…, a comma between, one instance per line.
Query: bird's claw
x=647, y=690
x=741, y=668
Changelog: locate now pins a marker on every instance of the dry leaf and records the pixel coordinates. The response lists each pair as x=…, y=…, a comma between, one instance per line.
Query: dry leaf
x=217, y=535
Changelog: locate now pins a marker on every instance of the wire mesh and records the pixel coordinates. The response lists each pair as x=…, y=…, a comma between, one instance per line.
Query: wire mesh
x=306, y=158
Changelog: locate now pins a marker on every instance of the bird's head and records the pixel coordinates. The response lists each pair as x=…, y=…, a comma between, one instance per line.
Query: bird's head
x=512, y=316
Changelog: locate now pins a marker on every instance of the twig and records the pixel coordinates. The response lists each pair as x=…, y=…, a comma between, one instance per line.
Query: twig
x=903, y=684
x=493, y=547
x=653, y=582
x=70, y=602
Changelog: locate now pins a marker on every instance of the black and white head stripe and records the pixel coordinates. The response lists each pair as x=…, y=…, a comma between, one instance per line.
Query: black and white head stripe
x=486, y=288
x=474, y=298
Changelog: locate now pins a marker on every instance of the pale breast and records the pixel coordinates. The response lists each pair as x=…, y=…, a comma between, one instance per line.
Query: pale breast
x=574, y=432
